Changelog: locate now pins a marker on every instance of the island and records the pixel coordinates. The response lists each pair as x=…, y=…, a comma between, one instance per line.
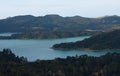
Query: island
x=105, y=41
x=105, y=65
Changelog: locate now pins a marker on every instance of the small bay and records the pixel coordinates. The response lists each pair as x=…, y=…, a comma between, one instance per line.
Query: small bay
x=41, y=49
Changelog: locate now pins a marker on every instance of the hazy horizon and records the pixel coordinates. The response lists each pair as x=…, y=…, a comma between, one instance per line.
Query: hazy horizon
x=84, y=8
x=58, y=15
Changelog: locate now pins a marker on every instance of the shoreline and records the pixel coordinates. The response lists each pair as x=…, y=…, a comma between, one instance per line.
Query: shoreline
x=85, y=49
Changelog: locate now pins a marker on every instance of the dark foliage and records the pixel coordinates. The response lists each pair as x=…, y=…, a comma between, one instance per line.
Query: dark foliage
x=105, y=41
x=7, y=56
x=106, y=65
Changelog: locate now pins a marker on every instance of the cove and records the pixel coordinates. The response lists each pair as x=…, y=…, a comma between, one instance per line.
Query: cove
x=41, y=49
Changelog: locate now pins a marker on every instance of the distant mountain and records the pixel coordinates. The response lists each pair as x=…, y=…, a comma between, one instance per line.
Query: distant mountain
x=106, y=41
x=28, y=23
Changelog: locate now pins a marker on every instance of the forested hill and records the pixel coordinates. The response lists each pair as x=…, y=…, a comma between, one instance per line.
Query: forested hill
x=106, y=41
x=28, y=23
x=51, y=35
x=106, y=65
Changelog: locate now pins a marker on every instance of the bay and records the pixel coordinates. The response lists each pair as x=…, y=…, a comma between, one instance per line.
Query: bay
x=41, y=49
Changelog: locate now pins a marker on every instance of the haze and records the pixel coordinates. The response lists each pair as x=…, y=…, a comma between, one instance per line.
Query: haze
x=85, y=8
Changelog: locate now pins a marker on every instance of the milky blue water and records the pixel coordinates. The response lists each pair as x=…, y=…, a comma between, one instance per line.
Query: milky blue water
x=41, y=49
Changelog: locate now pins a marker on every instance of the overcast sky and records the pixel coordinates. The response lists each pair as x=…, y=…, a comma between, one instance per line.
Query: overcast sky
x=85, y=8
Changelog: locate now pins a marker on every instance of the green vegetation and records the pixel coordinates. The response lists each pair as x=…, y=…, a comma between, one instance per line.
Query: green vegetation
x=46, y=23
x=106, y=65
x=55, y=26
x=50, y=35
x=105, y=41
